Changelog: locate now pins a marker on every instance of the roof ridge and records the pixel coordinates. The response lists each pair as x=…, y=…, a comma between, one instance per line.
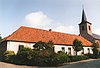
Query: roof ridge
x=29, y=34
x=47, y=30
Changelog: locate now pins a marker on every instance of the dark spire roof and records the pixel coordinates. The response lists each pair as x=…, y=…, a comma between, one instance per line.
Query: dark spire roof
x=83, y=16
x=84, y=19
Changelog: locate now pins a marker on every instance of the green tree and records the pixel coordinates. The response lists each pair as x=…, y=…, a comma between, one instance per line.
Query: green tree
x=25, y=52
x=77, y=45
x=51, y=46
x=43, y=46
x=40, y=46
x=95, y=50
x=43, y=53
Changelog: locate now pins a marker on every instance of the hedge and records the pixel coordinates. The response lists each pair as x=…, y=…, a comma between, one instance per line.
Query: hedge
x=40, y=58
x=78, y=58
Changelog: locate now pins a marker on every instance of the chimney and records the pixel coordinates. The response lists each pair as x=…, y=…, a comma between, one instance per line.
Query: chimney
x=50, y=30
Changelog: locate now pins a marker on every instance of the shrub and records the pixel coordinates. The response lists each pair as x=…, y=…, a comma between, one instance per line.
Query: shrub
x=8, y=56
x=89, y=55
x=77, y=58
x=9, y=53
x=95, y=50
x=25, y=52
x=24, y=55
x=53, y=60
x=40, y=57
x=43, y=58
x=62, y=57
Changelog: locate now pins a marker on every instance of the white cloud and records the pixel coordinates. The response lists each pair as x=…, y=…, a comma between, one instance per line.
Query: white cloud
x=66, y=29
x=41, y=20
x=97, y=31
x=38, y=19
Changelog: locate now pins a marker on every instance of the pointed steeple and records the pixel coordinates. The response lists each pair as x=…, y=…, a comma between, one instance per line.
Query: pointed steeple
x=83, y=16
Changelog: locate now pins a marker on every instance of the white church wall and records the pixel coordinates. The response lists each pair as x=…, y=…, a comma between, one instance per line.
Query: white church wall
x=59, y=48
x=86, y=51
x=14, y=46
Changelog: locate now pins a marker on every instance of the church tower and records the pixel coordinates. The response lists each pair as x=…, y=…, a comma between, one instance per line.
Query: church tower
x=85, y=27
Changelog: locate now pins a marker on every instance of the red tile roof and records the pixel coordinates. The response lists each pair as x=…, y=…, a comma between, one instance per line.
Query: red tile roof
x=27, y=34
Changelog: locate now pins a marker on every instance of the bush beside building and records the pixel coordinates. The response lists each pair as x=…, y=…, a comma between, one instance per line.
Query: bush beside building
x=42, y=55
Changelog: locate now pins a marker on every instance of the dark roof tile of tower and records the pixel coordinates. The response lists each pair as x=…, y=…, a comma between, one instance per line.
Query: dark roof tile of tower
x=83, y=16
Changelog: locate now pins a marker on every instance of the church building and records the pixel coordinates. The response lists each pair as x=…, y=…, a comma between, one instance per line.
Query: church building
x=27, y=37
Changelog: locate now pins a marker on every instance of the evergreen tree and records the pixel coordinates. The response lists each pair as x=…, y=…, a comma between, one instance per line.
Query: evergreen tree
x=77, y=45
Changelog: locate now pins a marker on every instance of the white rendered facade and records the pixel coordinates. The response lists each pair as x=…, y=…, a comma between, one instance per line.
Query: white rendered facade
x=14, y=46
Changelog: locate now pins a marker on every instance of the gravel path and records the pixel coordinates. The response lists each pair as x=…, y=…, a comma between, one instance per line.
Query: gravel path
x=7, y=65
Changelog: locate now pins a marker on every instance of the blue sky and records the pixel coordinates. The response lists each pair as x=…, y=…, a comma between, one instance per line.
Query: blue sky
x=58, y=15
